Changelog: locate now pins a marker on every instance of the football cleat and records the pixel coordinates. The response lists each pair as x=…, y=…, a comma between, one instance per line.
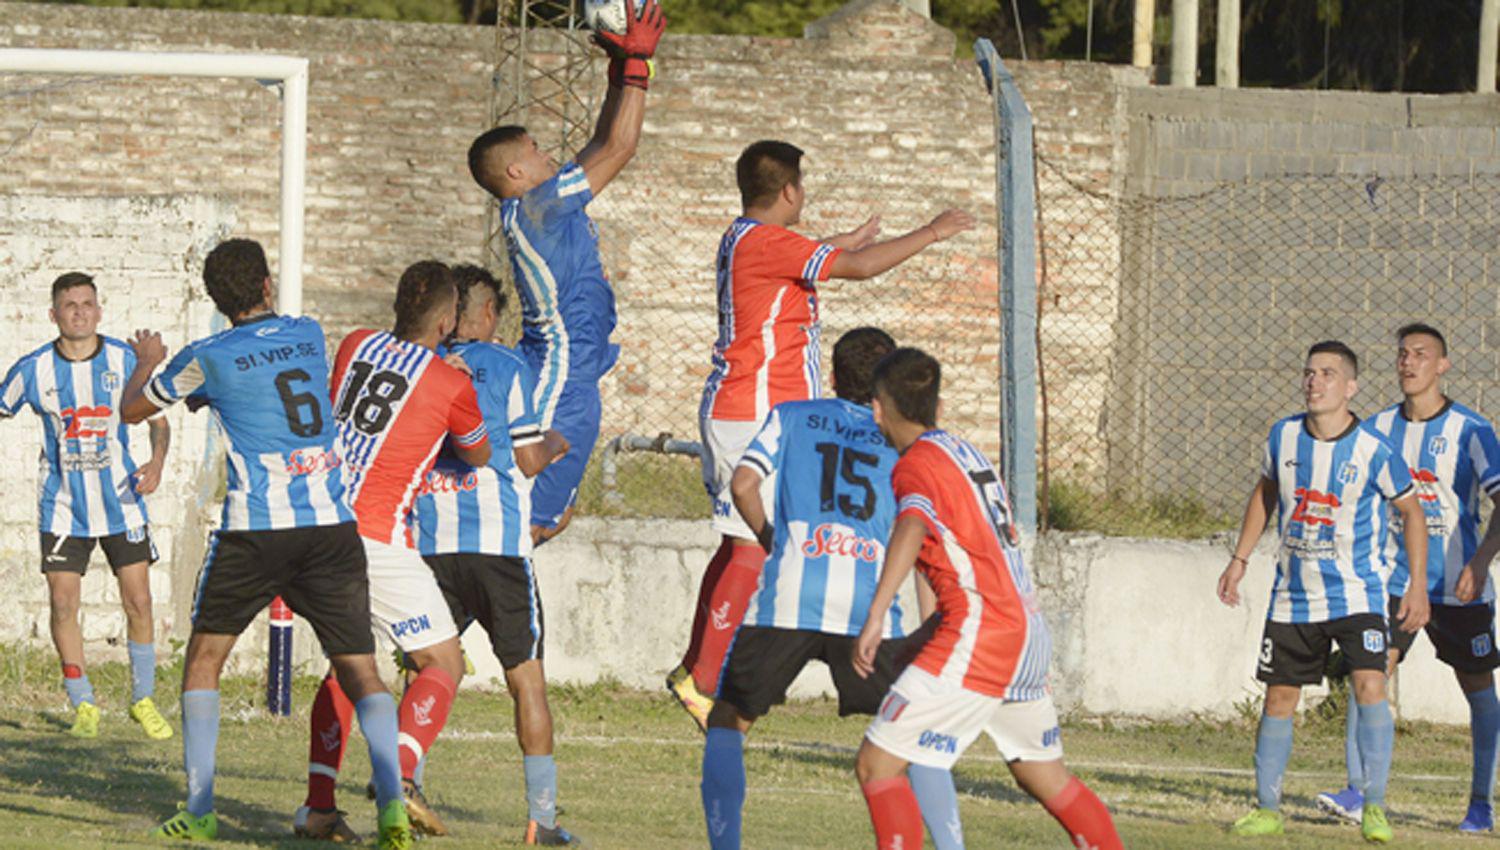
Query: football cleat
x=1373, y=826
x=395, y=827
x=145, y=713
x=1259, y=822
x=323, y=826
x=423, y=819
x=1480, y=817
x=1348, y=804
x=85, y=721
x=553, y=836
x=682, y=687
x=184, y=827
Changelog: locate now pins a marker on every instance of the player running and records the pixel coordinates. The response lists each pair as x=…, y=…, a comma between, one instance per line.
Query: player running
x=473, y=529
x=766, y=353
x=91, y=491
x=286, y=529
x=833, y=513
x=985, y=669
x=1330, y=480
x=1454, y=457
x=567, y=306
x=395, y=403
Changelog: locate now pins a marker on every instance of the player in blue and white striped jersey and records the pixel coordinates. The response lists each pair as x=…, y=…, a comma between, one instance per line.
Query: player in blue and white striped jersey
x=1455, y=461
x=832, y=516
x=474, y=530
x=1333, y=483
x=90, y=490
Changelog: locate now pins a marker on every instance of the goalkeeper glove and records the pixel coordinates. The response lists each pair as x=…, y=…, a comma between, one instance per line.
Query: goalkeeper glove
x=630, y=53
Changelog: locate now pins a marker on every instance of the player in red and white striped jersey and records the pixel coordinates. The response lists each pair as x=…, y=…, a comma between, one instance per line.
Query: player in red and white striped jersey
x=767, y=353
x=985, y=669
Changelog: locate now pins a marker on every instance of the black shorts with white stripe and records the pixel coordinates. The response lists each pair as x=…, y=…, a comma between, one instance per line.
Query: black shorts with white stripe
x=500, y=594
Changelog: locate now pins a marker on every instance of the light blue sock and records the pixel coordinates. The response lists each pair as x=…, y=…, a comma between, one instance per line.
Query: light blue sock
x=1352, y=764
x=723, y=786
x=1484, y=725
x=200, y=740
x=142, y=670
x=418, y=771
x=377, y=720
x=1273, y=749
x=1377, y=734
x=541, y=789
x=79, y=689
x=939, y=802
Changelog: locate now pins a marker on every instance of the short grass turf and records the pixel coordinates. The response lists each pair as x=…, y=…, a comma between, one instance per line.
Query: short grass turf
x=629, y=768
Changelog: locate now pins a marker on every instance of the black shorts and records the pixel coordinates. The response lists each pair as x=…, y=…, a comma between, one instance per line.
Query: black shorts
x=500, y=594
x=1463, y=635
x=71, y=554
x=1297, y=653
x=763, y=663
x=319, y=572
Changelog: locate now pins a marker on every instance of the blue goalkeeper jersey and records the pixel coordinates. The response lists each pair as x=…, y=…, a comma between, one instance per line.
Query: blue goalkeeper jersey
x=87, y=481
x=1332, y=519
x=266, y=381
x=1454, y=458
x=485, y=510
x=833, y=514
x=567, y=306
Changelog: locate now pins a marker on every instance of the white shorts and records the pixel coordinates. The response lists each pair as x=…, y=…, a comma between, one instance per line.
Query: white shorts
x=928, y=721
x=724, y=442
x=405, y=603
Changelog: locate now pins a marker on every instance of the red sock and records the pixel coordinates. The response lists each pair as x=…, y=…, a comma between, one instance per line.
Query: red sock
x=1085, y=818
x=895, y=814
x=711, y=576
x=726, y=608
x=331, y=715
x=423, y=711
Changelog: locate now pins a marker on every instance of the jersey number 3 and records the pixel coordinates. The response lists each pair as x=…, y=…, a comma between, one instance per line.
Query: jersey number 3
x=371, y=411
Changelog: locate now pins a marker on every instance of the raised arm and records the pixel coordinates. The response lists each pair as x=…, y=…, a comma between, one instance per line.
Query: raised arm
x=880, y=257
x=150, y=352
x=1257, y=515
x=618, y=130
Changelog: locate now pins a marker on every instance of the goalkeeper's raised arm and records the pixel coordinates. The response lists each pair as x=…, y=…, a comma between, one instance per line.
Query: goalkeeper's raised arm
x=618, y=130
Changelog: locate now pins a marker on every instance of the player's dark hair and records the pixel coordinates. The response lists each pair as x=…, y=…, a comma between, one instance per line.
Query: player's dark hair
x=911, y=378
x=1333, y=346
x=235, y=275
x=854, y=359
x=764, y=169
x=1424, y=329
x=425, y=290
x=466, y=277
x=70, y=280
x=480, y=165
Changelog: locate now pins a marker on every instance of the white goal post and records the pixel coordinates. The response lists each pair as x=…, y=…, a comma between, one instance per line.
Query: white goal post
x=289, y=71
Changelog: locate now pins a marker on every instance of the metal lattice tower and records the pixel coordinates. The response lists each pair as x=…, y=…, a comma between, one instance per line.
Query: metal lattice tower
x=542, y=80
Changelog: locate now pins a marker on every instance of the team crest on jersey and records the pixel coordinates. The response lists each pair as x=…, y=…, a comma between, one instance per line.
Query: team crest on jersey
x=1437, y=445
x=1482, y=646
x=1374, y=640
x=1348, y=473
x=111, y=380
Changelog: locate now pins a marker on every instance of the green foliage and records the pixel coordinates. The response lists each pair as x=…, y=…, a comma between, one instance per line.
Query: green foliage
x=646, y=485
x=1074, y=507
x=784, y=18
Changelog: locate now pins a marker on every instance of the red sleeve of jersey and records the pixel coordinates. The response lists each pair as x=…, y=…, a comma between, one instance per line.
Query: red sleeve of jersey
x=341, y=363
x=915, y=488
x=778, y=252
x=465, y=422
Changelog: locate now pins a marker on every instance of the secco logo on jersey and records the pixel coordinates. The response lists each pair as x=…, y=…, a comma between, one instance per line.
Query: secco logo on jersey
x=411, y=626
x=1315, y=507
x=440, y=481
x=830, y=539
x=83, y=423
x=311, y=461
x=937, y=741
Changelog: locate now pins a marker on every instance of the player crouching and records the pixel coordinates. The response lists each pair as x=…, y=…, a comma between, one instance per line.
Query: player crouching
x=985, y=669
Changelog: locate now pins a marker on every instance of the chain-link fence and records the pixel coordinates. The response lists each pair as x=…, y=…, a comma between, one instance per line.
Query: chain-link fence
x=1174, y=329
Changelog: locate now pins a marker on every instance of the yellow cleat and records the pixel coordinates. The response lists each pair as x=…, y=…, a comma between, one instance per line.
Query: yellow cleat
x=680, y=683
x=145, y=713
x=85, y=721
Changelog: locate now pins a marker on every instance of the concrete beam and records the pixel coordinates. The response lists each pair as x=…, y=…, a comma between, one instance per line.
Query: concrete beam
x=1227, y=47
x=1143, y=31
x=1185, y=43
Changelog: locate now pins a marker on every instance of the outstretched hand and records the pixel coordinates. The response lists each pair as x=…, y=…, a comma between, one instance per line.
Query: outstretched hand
x=950, y=223
x=644, y=24
x=148, y=347
x=865, y=234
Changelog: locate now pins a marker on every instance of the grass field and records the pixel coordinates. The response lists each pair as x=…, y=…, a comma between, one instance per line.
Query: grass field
x=628, y=765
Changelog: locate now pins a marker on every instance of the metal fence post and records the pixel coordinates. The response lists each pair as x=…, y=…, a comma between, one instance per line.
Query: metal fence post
x=1015, y=186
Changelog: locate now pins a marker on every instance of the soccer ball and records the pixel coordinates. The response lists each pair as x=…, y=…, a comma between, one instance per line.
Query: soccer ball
x=606, y=15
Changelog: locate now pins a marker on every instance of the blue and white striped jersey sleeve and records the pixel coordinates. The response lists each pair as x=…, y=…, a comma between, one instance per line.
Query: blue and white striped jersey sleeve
x=567, y=192
x=522, y=420
x=183, y=375
x=764, y=452
x=1484, y=456
x=1268, y=456
x=13, y=393
x=1391, y=475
